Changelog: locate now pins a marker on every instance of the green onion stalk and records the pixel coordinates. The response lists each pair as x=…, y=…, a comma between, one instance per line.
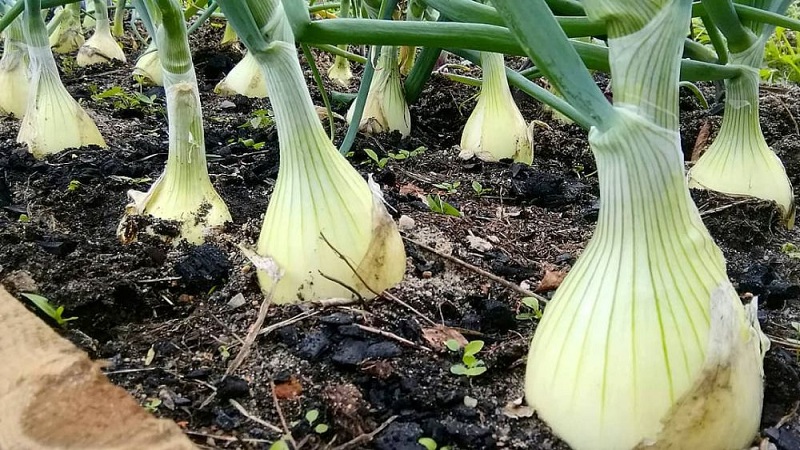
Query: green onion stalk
x=53, y=120
x=101, y=47
x=339, y=72
x=415, y=11
x=739, y=162
x=385, y=109
x=183, y=193
x=326, y=233
x=496, y=129
x=645, y=344
x=118, y=28
x=68, y=34
x=14, y=71
x=88, y=18
x=148, y=66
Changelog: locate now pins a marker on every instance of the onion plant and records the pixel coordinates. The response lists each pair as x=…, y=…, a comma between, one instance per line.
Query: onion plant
x=101, y=47
x=148, y=66
x=496, y=129
x=386, y=108
x=326, y=228
x=184, y=192
x=739, y=161
x=68, y=33
x=244, y=79
x=53, y=120
x=14, y=71
x=646, y=342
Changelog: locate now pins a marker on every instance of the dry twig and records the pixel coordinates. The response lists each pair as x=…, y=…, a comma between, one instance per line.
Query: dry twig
x=389, y=335
x=255, y=419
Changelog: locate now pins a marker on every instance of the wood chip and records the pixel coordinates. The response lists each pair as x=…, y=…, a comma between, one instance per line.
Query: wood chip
x=551, y=280
x=288, y=390
x=701, y=143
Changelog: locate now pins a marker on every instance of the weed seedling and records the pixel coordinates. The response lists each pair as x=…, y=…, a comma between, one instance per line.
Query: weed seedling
x=24, y=218
x=311, y=418
x=152, y=405
x=532, y=309
x=54, y=312
x=437, y=205
x=430, y=444
x=262, y=118
x=450, y=188
x=470, y=365
x=479, y=189
x=73, y=186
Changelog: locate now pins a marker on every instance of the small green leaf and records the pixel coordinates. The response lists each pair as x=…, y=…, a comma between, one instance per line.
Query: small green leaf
x=42, y=303
x=312, y=416
x=458, y=369
x=279, y=445
x=321, y=428
x=469, y=360
x=428, y=443
x=452, y=345
x=475, y=371
x=473, y=347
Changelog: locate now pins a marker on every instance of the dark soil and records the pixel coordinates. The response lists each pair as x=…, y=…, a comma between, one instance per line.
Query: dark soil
x=169, y=320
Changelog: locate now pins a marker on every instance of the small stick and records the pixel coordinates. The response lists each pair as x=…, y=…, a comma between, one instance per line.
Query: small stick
x=227, y=438
x=255, y=419
x=288, y=433
x=289, y=321
x=724, y=207
x=789, y=416
x=392, y=336
x=365, y=437
x=158, y=280
x=253, y=333
x=479, y=271
x=384, y=293
x=117, y=372
x=227, y=328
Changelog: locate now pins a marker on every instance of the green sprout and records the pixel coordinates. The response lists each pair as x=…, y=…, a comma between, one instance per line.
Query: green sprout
x=73, y=185
x=533, y=310
x=479, y=189
x=54, y=312
x=470, y=365
x=450, y=188
x=437, y=205
x=311, y=417
x=430, y=444
x=152, y=405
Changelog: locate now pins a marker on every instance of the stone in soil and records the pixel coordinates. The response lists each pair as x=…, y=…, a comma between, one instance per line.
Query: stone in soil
x=203, y=267
x=232, y=387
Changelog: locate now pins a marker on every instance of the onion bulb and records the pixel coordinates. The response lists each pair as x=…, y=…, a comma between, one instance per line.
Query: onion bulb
x=244, y=79
x=496, y=129
x=385, y=109
x=101, y=47
x=14, y=72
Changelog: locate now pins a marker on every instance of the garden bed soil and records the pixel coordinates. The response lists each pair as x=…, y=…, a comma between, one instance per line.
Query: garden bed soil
x=169, y=320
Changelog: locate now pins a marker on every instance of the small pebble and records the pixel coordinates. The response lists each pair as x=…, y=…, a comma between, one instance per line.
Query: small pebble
x=405, y=223
x=236, y=301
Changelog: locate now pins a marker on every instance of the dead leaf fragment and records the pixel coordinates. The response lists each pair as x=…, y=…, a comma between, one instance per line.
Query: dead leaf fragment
x=701, y=143
x=438, y=335
x=290, y=389
x=551, y=280
x=516, y=409
x=411, y=189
